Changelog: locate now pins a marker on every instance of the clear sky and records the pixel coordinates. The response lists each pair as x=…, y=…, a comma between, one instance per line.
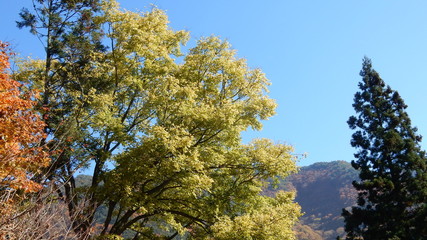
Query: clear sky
x=311, y=51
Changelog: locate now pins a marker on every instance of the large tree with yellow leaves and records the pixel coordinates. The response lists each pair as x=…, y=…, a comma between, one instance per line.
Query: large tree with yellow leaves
x=163, y=131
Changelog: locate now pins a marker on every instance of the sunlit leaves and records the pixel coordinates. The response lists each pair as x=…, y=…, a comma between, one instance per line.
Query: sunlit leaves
x=186, y=165
x=273, y=219
x=21, y=131
x=163, y=128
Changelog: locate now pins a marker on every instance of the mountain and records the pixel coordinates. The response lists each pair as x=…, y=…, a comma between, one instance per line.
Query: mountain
x=323, y=190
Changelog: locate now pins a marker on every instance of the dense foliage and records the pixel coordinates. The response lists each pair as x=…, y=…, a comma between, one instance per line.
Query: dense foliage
x=160, y=127
x=21, y=153
x=21, y=131
x=392, y=198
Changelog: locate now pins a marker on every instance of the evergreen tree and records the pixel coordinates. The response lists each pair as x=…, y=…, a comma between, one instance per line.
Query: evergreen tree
x=72, y=42
x=393, y=178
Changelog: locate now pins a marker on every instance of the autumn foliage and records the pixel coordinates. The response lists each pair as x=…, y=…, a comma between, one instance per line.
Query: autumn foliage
x=21, y=131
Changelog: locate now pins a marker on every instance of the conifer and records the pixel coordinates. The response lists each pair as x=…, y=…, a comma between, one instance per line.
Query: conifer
x=392, y=189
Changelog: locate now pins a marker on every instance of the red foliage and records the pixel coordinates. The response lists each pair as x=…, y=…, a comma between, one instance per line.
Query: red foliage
x=21, y=131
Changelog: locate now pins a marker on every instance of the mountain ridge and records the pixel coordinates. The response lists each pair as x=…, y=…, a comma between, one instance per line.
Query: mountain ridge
x=323, y=189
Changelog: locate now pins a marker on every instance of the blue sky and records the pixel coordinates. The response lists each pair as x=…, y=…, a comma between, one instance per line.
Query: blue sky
x=310, y=50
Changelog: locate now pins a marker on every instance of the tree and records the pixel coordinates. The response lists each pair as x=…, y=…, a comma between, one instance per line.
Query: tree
x=21, y=131
x=164, y=135
x=21, y=153
x=392, y=189
x=72, y=43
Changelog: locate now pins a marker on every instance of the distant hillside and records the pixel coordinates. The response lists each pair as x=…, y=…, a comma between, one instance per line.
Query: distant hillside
x=323, y=190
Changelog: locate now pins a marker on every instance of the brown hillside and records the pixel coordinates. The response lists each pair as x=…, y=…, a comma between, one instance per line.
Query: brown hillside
x=323, y=190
